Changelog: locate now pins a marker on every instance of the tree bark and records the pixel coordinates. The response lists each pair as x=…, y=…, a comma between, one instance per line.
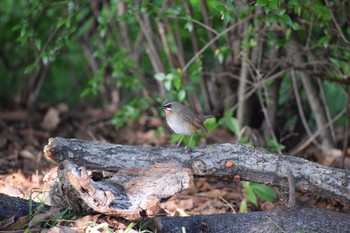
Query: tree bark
x=213, y=160
x=299, y=219
x=17, y=207
x=289, y=220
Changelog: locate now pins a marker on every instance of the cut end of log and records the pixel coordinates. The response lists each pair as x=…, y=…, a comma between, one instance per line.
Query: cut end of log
x=47, y=150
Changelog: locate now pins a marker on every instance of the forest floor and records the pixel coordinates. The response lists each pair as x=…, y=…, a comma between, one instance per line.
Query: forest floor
x=23, y=165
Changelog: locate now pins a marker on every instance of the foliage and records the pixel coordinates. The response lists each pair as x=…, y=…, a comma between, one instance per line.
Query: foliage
x=140, y=227
x=230, y=121
x=149, y=51
x=129, y=112
x=254, y=190
x=275, y=146
x=173, y=85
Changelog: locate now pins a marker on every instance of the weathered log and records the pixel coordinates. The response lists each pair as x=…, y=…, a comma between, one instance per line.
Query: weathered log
x=214, y=160
x=17, y=207
x=298, y=219
x=131, y=193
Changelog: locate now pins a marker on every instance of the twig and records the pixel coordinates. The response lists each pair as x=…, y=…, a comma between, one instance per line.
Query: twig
x=200, y=52
x=339, y=30
x=309, y=33
x=207, y=27
x=53, y=34
x=207, y=21
x=326, y=107
x=257, y=78
x=291, y=187
x=228, y=204
x=316, y=134
x=259, y=84
x=347, y=127
x=152, y=51
x=300, y=106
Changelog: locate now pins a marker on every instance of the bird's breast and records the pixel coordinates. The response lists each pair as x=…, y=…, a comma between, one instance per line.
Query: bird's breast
x=179, y=125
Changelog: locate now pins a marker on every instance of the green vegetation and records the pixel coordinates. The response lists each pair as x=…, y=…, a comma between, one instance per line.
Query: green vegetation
x=254, y=190
x=252, y=61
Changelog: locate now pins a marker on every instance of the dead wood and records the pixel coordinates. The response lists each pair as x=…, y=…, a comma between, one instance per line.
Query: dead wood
x=131, y=193
x=215, y=160
x=298, y=219
x=17, y=207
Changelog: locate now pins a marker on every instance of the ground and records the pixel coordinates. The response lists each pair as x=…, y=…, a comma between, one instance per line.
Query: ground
x=24, y=166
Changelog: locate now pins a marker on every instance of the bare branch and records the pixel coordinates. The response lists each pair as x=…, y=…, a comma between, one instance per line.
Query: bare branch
x=300, y=106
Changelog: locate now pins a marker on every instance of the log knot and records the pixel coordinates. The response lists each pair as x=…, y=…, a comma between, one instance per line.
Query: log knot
x=199, y=167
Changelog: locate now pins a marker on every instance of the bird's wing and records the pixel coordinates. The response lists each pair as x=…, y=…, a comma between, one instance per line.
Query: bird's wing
x=194, y=119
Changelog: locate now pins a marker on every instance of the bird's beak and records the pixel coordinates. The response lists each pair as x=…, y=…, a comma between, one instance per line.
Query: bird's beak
x=160, y=107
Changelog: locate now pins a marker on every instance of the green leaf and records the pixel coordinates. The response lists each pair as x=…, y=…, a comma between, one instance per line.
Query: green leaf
x=275, y=146
x=221, y=58
x=170, y=76
x=177, y=82
x=264, y=192
x=296, y=26
x=232, y=124
x=181, y=95
x=273, y=4
x=211, y=124
x=286, y=19
x=230, y=121
x=288, y=33
x=226, y=17
x=130, y=227
x=158, y=131
x=167, y=84
x=252, y=43
x=251, y=196
x=228, y=113
x=45, y=59
x=189, y=26
x=261, y=2
x=243, y=208
x=244, y=140
x=324, y=41
x=29, y=69
x=159, y=76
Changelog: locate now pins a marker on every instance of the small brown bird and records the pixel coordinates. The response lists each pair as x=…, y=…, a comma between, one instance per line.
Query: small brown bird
x=182, y=120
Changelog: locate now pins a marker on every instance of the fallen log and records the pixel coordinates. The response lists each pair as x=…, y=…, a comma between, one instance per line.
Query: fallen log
x=229, y=160
x=17, y=207
x=298, y=219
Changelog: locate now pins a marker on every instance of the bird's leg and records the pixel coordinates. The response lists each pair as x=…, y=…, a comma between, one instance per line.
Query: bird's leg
x=180, y=141
x=190, y=141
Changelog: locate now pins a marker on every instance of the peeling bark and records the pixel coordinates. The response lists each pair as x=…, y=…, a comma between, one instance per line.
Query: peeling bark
x=131, y=193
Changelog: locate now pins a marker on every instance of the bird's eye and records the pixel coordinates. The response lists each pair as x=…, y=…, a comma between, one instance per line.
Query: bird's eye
x=167, y=106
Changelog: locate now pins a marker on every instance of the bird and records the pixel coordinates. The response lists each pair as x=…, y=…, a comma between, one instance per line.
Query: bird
x=182, y=120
